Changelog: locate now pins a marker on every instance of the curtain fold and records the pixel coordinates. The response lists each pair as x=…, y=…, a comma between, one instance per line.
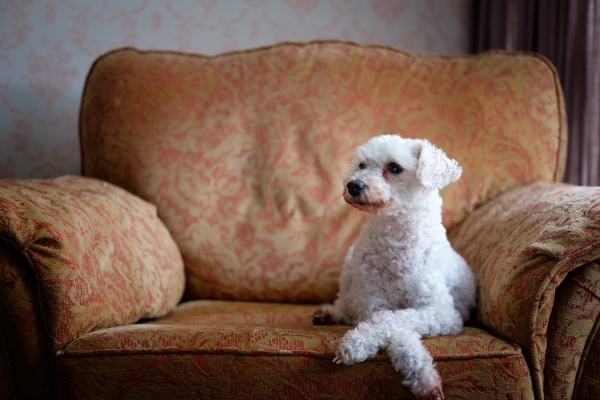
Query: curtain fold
x=568, y=33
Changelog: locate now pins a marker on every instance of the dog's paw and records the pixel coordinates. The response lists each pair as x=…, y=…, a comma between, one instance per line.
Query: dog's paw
x=349, y=355
x=353, y=349
x=425, y=385
x=434, y=394
x=323, y=319
x=326, y=315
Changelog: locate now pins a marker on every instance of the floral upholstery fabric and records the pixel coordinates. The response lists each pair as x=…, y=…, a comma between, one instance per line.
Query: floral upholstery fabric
x=25, y=357
x=232, y=166
x=522, y=245
x=574, y=320
x=244, y=153
x=99, y=255
x=588, y=381
x=270, y=351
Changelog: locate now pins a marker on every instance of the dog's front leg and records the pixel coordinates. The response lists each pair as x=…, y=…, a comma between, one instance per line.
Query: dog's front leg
x=406, y=351
x=360, y=343
x=411, y=359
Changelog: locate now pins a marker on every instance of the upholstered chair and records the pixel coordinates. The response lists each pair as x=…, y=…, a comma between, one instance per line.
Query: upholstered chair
x=208, y=223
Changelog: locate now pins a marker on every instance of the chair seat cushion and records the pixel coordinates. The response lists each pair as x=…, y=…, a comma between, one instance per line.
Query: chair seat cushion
x=269, y=350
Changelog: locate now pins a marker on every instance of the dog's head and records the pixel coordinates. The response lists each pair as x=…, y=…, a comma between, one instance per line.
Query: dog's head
x=389, y=171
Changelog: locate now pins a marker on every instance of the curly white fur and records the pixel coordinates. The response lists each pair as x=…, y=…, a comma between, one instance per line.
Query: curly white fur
x=401, y=279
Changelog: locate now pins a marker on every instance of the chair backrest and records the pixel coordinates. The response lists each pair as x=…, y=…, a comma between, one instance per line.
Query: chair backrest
x=244, y=153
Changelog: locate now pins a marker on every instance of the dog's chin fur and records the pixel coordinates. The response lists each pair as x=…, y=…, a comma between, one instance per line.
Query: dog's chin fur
x=401, y=279
x=371, y=207
x=368, y=208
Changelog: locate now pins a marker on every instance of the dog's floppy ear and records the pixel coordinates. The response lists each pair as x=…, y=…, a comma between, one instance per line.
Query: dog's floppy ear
x=434, y=169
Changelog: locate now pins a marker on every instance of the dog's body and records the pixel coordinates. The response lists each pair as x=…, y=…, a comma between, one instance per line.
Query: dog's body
x=401, y=279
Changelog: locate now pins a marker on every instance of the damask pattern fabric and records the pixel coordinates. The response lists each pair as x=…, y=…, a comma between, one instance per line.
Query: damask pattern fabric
x=100, y=256
x=25, y=356
x=575, y=311
x=47, y=48
x=241, y=153
x=588, y=381
x=522, y=246
x=270, y=351
x=246, y=171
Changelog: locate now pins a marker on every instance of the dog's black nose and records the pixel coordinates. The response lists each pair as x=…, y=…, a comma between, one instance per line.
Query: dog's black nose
x=355, y=187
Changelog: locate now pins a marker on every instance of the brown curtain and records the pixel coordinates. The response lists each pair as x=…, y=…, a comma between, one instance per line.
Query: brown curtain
x=568, y=33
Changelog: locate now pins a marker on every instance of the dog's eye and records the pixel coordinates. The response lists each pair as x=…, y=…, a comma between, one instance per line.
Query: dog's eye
x=362, y=165
x=395, y=168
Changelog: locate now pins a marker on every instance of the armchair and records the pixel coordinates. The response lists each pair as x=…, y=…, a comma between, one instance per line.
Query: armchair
x=187, y=259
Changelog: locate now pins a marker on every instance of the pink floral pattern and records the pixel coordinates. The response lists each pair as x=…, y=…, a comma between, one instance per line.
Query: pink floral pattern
x=241, y=154
x=588, y=380
x=220, y=142
x=574, y=320
x=522, y=246
x=100, y=257
x=270, y=351
x=46, y=48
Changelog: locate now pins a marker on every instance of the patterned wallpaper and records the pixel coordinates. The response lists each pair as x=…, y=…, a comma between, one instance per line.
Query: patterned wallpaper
x=47, y=47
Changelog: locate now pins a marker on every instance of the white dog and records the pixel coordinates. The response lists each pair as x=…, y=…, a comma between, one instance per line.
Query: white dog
x=401, y=279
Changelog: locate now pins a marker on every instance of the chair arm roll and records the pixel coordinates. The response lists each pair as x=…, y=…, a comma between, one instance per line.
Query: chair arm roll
x=99, y=255
x=523, y=246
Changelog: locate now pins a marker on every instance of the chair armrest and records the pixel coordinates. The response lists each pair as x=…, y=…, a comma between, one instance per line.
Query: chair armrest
x=572, y=355
x=96, y=256
x=522, y=246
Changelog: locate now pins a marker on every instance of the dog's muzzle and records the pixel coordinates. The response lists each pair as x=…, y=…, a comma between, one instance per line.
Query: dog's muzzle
x=356, y=187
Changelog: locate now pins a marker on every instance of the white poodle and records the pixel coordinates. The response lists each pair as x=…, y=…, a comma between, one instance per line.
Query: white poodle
x=401, y=279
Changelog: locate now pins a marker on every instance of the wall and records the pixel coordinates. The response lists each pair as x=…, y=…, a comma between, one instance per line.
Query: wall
x=47, y=46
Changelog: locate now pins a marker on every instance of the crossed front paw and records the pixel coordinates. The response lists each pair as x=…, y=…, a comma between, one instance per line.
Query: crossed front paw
x=425, y=384
x=352, y=350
